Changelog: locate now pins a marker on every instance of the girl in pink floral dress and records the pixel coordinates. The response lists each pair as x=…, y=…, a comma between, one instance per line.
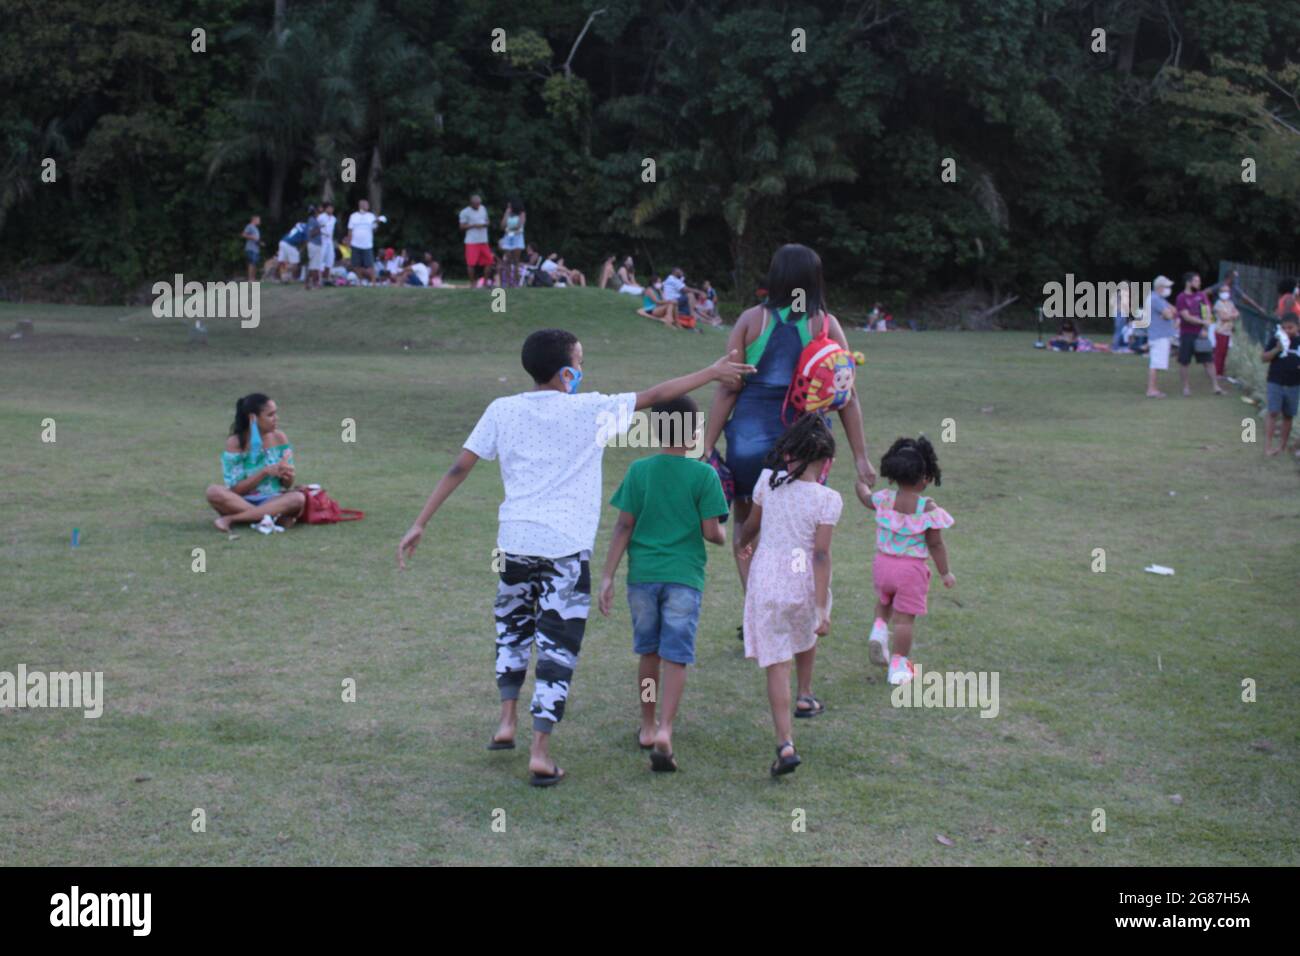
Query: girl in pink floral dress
x=788, y=601
x=908, y=532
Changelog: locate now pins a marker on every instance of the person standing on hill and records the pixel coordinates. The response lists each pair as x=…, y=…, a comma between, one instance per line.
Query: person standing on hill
x=1194, y=320
x=252, y=236
x=361, y=240
x=327, y=222
x=1160, y=330
x=474, y=224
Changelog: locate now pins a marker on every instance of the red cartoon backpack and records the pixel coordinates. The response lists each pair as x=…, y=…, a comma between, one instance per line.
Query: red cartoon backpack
x=823, y=379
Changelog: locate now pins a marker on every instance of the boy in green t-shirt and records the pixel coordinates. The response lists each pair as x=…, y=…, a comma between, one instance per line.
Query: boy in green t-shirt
x=668, y=505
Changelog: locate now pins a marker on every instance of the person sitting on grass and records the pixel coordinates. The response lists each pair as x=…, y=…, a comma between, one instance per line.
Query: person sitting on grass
x=1283, y=358
x=669, y=505
x=655, y=306
x=627, y=278
x=709, y=305
x=1067, y=338
x=550, y=442
x=607, y=275
x=555, y=266
x=257, y=467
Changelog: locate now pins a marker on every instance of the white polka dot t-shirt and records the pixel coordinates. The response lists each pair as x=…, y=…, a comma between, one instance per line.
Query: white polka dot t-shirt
x=550, y=446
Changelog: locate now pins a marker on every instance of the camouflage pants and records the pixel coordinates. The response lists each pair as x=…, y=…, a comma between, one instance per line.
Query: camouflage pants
x=543, y=601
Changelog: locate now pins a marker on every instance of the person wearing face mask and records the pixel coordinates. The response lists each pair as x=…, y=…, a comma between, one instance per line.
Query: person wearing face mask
x=1225, y=318
x=549, y=441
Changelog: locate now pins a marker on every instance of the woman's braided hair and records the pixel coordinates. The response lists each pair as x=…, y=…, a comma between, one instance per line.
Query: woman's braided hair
x=808, y=439
x=910, y=460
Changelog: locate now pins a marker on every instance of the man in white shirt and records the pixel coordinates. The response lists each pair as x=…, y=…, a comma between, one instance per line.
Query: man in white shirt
x=474, y=224
x=420, y=273
x=550, y=442
x=327, y=221
x=361, y=238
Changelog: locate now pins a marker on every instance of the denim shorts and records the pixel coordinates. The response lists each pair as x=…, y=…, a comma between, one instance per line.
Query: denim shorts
x=664, y=618
x=1283, y=398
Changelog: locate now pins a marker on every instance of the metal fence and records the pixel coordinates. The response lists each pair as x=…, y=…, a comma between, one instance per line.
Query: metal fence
x=1260, y=282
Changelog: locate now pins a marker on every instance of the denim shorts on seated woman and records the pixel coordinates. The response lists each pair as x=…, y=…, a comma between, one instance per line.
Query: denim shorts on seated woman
x=664, y=618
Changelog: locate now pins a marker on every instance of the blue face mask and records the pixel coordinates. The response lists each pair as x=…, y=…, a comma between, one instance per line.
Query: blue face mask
x=577, y=377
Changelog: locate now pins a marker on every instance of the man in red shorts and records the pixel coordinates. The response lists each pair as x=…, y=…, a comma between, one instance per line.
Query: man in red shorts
x=474, y=223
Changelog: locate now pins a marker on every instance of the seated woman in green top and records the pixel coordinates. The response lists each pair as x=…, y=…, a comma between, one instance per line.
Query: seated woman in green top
x=655, y=306
x=257, y=467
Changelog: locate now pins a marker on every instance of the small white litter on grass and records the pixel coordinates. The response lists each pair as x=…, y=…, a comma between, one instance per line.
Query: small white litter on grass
x=1158, y=569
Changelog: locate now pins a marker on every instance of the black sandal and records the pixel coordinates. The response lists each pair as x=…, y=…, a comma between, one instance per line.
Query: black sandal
x=501, y=744
x=740, y=633
x=784, y=765
x=546, y=779
x=638, y=740
x=661, y=762
x=815, y=706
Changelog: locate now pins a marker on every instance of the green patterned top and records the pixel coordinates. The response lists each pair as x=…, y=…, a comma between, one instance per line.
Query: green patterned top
x=238, y=465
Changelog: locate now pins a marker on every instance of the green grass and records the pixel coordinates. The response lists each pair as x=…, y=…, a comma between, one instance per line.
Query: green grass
x=1118, y=690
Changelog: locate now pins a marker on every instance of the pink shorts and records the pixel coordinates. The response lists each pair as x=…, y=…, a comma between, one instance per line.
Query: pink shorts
x=901, y=581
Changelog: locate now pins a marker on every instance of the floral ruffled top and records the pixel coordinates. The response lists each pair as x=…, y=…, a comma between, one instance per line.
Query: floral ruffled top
x=238, y=465
x=904, y=535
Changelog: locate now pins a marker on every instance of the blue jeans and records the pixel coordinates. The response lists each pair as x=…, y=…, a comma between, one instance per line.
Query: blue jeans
x=664, y=619
x=1118, y=341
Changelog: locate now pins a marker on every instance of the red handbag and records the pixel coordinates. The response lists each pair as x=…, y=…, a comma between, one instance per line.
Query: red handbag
x=320, y=508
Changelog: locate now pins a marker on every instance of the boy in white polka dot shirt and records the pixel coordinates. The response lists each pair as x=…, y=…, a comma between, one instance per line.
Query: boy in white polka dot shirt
x=549, y=442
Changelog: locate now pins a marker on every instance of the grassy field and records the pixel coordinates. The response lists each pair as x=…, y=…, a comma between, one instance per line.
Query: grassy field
x=1119, y=690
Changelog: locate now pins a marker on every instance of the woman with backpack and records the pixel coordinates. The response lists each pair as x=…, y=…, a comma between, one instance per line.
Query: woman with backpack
x=772, y=337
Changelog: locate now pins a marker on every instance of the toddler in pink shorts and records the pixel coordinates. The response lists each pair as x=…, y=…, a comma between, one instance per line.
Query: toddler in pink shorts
x=908, y=533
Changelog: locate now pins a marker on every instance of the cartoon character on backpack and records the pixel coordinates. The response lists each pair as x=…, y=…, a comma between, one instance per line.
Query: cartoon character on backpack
x=824, y=377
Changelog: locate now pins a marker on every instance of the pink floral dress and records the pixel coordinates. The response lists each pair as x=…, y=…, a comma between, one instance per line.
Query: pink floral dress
x=780, y=605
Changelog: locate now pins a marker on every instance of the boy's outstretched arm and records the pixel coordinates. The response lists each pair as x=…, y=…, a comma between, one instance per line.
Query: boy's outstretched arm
x=617, y=545
x=448, y=483
x=726, y=369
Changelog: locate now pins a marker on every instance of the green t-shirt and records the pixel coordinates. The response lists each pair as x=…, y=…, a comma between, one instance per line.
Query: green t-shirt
x=669, y=495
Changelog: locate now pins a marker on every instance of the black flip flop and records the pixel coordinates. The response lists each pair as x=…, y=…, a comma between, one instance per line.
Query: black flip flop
x=546, y=779
x=817, y=707
x=661, y=762
x=784, y=765
x=638, y=740
x=501, y=744
x=740, y=633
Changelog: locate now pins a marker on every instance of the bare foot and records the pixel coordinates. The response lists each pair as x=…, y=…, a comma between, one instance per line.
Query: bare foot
x=1271, y=452
x=663, y=741
x=505, y=733
x=223, y=524
x=1187, y=393
x=1156, y=395
x=647, y=736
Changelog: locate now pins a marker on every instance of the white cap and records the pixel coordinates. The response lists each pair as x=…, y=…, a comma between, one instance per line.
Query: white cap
x=1163, y=282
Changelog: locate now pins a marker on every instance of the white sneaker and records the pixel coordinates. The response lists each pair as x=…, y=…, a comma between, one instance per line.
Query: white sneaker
x=267, y=525
x=900, y=670
x=878, y=644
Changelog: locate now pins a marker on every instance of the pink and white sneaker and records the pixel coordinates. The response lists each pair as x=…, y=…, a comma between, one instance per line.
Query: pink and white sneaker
x=878, y=644
x=901, y=670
